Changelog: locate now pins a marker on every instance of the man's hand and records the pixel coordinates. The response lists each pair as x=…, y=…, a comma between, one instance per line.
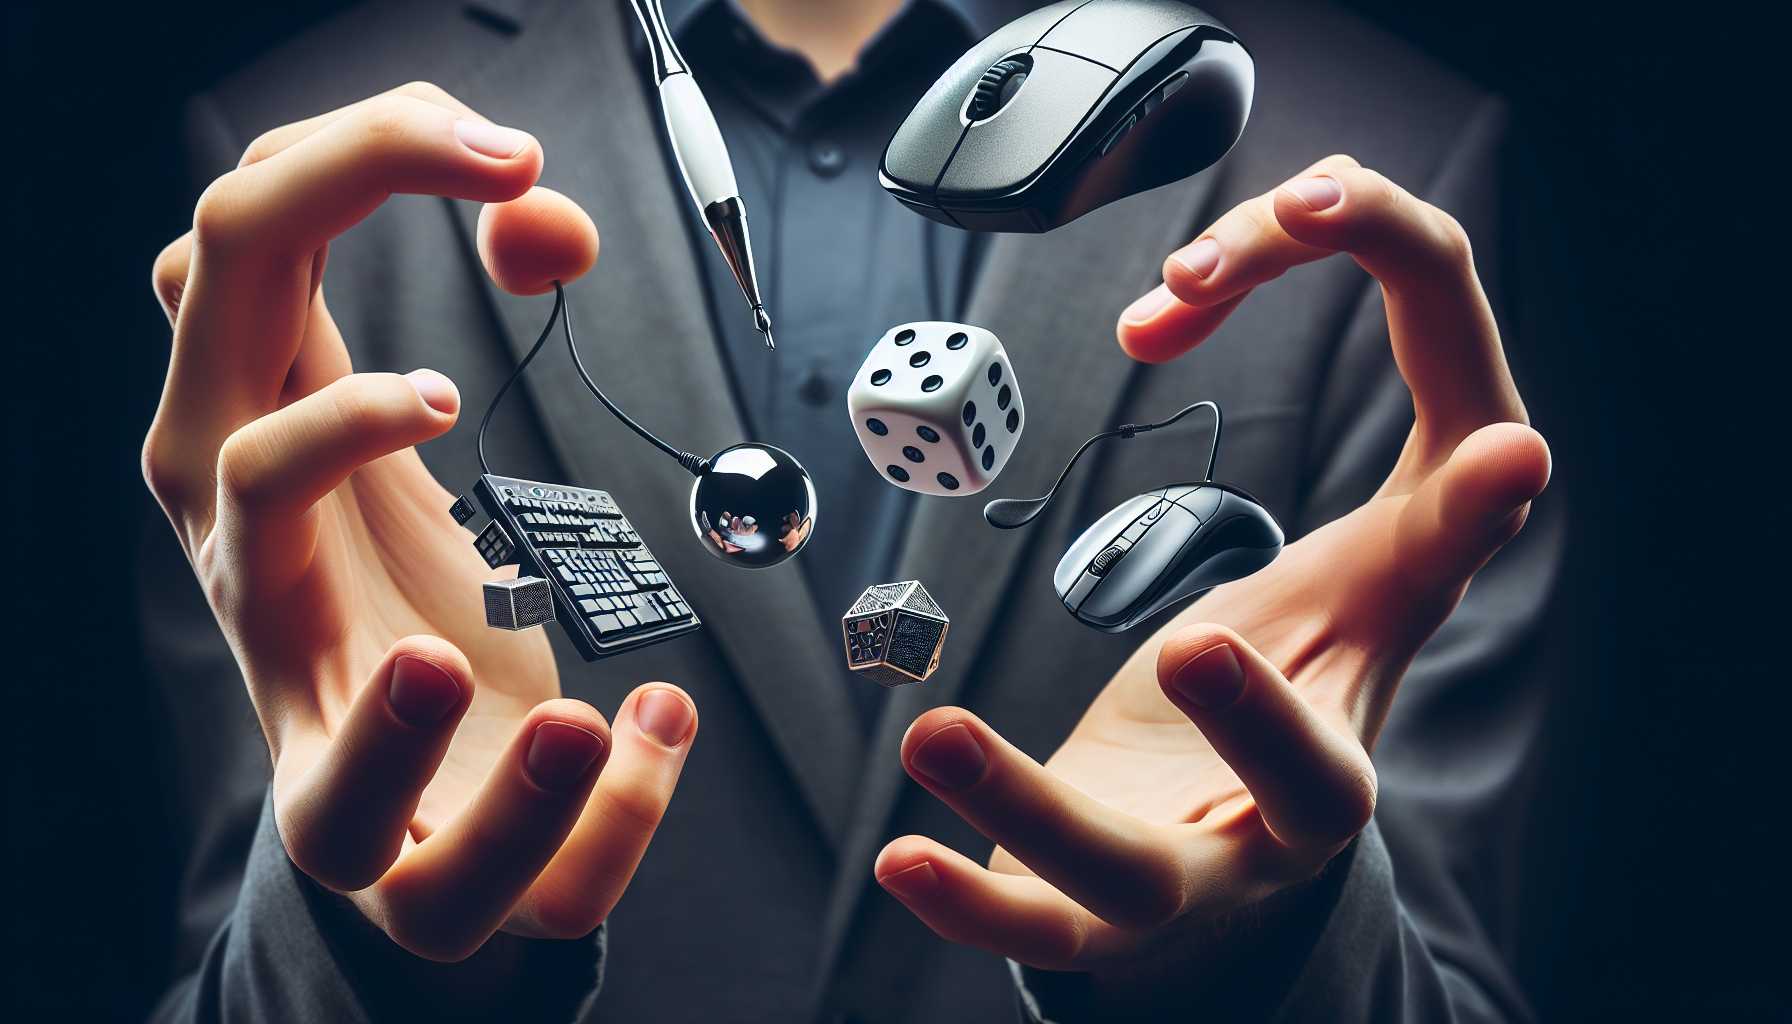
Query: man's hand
x=1229, y=758
x=446, y=810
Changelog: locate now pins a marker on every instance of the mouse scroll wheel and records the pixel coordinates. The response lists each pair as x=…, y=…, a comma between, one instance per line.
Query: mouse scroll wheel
x=1105, y=561
x=997, y=86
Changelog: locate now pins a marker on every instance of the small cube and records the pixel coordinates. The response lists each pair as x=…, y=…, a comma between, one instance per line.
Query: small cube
x=937, y=408
x=494, y=545
x=895, y=633
x=518, y=604
x=462, y=510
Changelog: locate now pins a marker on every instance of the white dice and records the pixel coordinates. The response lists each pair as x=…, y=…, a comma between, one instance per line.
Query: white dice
x=937, y=408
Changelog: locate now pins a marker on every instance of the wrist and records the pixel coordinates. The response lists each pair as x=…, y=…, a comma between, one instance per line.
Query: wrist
x=1238, y=965
x=510, y=976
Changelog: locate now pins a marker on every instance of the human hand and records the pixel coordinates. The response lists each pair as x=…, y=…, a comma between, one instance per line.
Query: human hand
x=794, y=530
x=1229, y=757
x=445, y=810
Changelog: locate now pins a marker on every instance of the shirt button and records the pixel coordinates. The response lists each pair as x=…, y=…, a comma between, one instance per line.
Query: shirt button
x=826, y=158
x=814, y=389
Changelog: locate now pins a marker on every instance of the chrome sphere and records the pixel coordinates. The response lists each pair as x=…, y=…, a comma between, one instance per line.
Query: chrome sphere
x=754, y=506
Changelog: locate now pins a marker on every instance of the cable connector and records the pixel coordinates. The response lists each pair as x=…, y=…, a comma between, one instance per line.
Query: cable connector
x=696, y=465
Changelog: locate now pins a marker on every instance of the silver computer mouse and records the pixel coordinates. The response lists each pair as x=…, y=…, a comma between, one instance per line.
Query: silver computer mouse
x=1163, y=547
x=1069, y=108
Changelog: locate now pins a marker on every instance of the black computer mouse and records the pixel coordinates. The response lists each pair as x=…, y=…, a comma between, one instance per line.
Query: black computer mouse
x=1162, y=547
x=1069, y=108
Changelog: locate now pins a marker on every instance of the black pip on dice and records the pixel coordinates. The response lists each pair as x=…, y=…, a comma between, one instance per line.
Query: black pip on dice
x=894, y=633
x=937, y=407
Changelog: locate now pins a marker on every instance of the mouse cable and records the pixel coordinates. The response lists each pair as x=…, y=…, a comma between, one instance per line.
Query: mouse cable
x=1011, y=513
x=1135, y=429
x=695, y=464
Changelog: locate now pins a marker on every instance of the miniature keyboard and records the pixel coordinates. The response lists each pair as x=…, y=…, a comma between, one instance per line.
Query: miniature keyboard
x=610, y=593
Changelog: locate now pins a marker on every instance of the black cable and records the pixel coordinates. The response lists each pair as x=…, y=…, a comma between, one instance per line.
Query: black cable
x=1133, y=429
x=485, y=421
x=693, y=463
x=1011, y=513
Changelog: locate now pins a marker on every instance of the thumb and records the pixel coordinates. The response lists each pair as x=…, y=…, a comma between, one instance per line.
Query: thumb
x=1471, y=506
x=530, y=242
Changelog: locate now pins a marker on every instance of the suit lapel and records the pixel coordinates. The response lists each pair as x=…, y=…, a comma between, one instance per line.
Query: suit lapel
x=572, y=79
x=1074, y=378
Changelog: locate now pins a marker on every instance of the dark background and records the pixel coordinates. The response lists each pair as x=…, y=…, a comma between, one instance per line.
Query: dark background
x=1656, y=377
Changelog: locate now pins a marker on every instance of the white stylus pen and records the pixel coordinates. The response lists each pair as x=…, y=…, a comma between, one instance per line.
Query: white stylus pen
x=702, y=157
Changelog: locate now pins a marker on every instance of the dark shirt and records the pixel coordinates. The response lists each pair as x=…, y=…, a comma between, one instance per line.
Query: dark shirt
x=839, y=262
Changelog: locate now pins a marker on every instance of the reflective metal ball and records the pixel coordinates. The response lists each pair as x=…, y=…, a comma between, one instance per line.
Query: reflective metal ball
x=754, y=506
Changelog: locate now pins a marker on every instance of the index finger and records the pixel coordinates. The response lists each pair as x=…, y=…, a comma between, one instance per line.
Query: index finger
x=1445, y=340
x=257, y=229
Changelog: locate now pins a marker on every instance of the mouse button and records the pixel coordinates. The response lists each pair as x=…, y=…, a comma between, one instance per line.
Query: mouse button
x=1000, y=154
x=1136, y=577
x=1151, y=508
x=923, y=143
x=1080, y=590
x=1115, y=32
x=1091, y=541
x=918, y=152
x=1202, y=500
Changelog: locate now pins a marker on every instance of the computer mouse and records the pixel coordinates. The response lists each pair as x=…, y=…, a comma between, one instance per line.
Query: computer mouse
x=1067, y=109
x=1162, y=547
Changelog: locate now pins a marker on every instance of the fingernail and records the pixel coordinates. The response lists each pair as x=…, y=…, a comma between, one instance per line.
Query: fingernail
x=1317, y=193
x=951, y=758
x=1147, y=305
x=1200, y=258
x=911, y=882
x=491, y=139
x=421, y=692
x=664, y=715
x=437, y=391
x=1212, y=681
x=560, y=753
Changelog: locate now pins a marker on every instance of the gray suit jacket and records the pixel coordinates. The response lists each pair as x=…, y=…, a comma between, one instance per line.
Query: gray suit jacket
x=1415, y=922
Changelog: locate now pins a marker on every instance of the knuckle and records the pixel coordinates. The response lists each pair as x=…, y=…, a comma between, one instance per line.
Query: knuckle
x=425, y=90
x=1382, y=192
x=158, y=465
x=238, y=460
x=1062, y=945
x=1451, y=239
x=168, y=275
x=170, y=476
x=635, y=808
x=260, y=148
x=387, y=118
x=1258, y=218
x=218, y=215
x=373, y=403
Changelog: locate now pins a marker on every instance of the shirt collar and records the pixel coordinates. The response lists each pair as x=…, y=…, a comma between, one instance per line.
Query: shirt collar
x=981, y=17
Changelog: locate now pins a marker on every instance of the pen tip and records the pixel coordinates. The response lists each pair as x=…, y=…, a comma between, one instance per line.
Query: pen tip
x=762, y=322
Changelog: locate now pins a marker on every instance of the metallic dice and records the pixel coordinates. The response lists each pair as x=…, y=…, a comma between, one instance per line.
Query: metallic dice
x=894, y=633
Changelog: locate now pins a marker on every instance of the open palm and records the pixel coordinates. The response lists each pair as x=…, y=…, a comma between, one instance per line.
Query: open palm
x=1229, y=757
